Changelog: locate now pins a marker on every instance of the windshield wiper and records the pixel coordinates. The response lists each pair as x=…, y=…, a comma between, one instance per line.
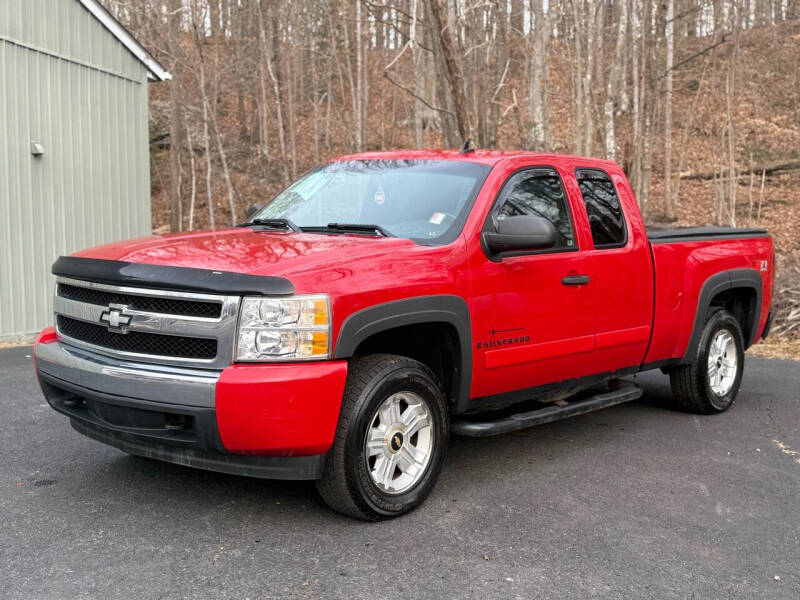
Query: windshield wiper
x=353, y=228
x=330, y=227
x=274, y=224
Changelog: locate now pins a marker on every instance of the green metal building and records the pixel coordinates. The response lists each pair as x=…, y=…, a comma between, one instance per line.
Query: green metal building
x=74, y=160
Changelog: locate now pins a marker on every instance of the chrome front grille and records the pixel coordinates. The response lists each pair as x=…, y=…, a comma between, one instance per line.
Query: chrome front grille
x=157, y=326
x=135, y=341
x=164, y=305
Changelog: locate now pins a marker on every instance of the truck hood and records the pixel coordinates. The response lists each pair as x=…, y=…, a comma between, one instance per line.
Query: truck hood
x=246, y=250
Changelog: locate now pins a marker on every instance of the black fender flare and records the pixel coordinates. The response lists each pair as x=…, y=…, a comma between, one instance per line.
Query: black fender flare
x=717, y=283
x=452, y=310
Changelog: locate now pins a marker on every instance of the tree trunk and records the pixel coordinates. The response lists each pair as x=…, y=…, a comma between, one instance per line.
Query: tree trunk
x=636, y=117
x=541, y=30
x=417, y=66
x=501, y=65
x=262, y=82
x=578, y=18
x=588, y=76
x=452, y=63
x=275, y=71
x=358, y=109
x=730, y=98
x=614, y=79
x=686, y=128
x=277, y=88
x=315, y=105
x=193, y=197
x=175, y=124
x=353, y=85
x=669, y=208
x=224, y=160
x=764, y=169
x=290, y=93
x=517, y=17
x=207, y=145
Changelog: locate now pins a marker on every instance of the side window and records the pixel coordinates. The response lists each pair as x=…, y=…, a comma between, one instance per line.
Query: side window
x=539, y=193
x=603, y=208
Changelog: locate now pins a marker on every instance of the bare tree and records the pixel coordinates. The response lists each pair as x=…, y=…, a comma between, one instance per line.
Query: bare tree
x=669, y=36
x=455, y=76
x=358, y=107
x=417, y=67
x=613, y=81
x=635, y=173
x=541, y=32
x=175, y=121
x=730, y=94
x=264, y=60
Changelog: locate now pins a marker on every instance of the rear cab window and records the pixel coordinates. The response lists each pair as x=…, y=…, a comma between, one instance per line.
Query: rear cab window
x=603, y=208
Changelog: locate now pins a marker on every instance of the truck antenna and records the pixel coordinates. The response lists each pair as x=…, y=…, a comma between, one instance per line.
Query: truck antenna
x=465, y=149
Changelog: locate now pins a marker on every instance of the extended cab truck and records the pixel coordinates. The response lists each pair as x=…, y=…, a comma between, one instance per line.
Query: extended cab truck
x=386, y=300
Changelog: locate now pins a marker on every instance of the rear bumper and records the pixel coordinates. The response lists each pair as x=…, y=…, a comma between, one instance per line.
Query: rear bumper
x=271, y=421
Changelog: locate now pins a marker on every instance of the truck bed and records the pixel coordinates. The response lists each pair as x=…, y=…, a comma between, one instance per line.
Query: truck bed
x=684, y=260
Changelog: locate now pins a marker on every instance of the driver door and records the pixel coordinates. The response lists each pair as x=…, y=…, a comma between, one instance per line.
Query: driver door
x=533, y=318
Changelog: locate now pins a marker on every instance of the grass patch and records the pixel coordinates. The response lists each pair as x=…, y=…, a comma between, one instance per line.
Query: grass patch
x=776, y=349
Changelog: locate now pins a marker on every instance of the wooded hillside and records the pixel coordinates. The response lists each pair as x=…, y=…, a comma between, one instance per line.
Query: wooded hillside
x=699, y=101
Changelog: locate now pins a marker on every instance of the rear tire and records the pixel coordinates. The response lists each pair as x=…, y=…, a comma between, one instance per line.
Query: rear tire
x=391, y=439
x=710, y=383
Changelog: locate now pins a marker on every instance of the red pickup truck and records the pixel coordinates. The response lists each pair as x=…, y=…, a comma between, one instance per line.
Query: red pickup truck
x=386, y=300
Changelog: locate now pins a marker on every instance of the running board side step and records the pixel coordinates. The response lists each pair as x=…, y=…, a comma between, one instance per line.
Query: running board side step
x=626, y=392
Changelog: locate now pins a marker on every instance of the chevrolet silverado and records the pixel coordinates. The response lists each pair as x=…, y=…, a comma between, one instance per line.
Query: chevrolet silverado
x=386, y=300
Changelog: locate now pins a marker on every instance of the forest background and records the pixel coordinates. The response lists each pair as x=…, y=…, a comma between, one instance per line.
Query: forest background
x=698, y=101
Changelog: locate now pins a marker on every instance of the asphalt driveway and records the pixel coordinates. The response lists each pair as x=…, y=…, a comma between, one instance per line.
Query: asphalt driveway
x=636, y=501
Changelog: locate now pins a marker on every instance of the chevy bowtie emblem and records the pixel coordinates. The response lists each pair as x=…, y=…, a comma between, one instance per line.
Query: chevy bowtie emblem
x=115, y=318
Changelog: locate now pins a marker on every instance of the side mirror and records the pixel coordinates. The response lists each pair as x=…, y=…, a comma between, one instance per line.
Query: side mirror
x=252, y=211
x=521, y=233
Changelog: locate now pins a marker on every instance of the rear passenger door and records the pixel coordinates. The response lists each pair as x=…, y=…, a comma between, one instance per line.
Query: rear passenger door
x=622, y=275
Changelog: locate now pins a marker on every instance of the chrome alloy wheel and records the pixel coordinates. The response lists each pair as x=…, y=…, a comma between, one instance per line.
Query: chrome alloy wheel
x=399, y=442
x=722, y=363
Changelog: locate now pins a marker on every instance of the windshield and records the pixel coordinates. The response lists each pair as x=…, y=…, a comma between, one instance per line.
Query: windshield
x=424, y=200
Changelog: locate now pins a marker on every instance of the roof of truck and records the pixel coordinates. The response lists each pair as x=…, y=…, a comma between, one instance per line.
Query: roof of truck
x=488, y=157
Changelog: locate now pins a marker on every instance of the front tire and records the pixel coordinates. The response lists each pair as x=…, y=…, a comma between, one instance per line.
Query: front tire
x=391, y=439
x=710, y=383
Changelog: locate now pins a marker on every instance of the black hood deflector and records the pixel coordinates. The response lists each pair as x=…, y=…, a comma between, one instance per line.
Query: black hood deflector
x=186, y=279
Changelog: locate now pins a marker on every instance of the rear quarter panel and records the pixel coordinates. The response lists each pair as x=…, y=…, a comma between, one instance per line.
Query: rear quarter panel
x=681, y=269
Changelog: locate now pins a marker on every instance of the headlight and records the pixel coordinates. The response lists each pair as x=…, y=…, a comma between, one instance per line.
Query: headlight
x=295, y=328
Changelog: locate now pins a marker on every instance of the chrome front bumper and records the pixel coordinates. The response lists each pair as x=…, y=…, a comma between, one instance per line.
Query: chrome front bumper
x=167, y=385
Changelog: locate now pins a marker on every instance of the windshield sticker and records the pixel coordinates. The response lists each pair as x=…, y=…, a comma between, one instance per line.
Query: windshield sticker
x=437, y=218
x=380, y=195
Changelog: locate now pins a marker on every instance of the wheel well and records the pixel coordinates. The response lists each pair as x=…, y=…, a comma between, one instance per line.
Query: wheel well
x=741, y=302
x=436, y=345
